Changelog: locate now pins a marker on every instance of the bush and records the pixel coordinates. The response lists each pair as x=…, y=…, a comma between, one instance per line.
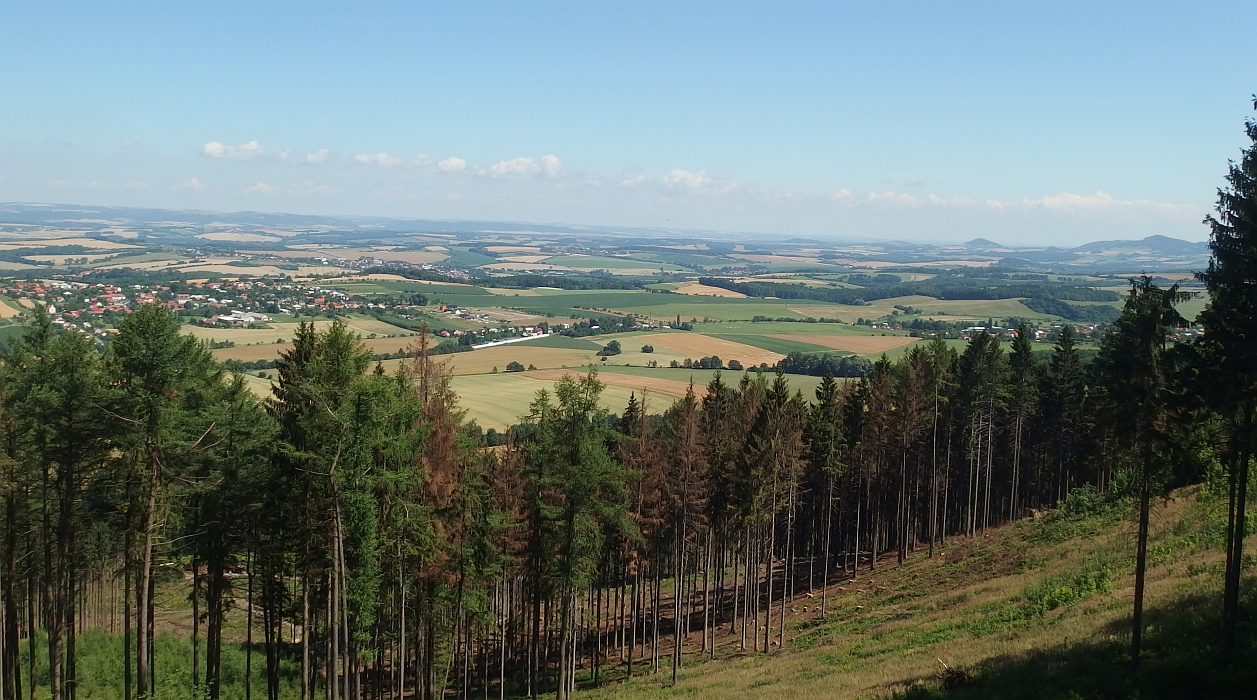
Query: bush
x=514, y=367
x=1053, y=594
x=648, y=348
x=612, y=348
x=734, y=365
x=1084, y=500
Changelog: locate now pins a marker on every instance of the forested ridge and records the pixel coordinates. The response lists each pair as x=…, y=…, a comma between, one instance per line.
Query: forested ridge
x=376, y=548
x=1041, y=297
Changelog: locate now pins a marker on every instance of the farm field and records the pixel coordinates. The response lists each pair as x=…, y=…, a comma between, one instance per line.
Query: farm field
x=622, y=265
x=975, y=309
x=9, y=308
x=633, y=382
x=91, y=243
x=484, y=360
x=766, y=342
x=499, y=400
x=562, y=341
x=703, y=290
x=271, y=351
x=657, y=306
x=696, y=345
x=362, y=325
x=856, y=344
x=802, y=382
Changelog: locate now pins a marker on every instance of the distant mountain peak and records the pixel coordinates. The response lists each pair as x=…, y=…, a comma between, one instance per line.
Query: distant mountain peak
x=982, y=243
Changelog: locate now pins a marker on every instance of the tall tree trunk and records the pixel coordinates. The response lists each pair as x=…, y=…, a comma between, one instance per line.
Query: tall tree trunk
x=1235, y=554
x=144, y=602
x=1141, y=556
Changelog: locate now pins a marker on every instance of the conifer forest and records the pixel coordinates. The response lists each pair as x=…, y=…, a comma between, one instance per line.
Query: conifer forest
x=352, y=536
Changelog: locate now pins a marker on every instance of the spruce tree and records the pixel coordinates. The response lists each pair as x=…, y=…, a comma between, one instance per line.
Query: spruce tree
x=1133, y=370
x=1230, y=323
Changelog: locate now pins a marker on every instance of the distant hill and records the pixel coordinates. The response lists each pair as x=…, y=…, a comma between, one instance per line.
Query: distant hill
x=982, y=243
x=1154, y=244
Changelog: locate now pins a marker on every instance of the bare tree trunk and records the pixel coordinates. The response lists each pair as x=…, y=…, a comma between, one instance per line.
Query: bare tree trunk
x=829, y=528
x=1235, y=553
x=144, y=603
x=1141, y=556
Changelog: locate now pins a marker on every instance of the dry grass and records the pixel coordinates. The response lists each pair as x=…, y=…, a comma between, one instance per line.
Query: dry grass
x=512, y=292
x=654, y=385
x=483, y=361
x=92, y=243
x=858, y=344
x=8, y=310
x=969, y=606
x=703, y=290
x=696, y=345
x=251, y=353
x=363, y=326
x=499, y=400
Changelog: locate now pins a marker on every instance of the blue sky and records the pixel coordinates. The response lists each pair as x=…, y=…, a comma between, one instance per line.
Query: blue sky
x=1032, y=123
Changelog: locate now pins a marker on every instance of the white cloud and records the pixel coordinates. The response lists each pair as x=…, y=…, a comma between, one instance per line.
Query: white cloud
x=633, y=181
x=452, y=165
x=381, y=159
x=908, y=200
x=1068, y=201
x=680, y=179
x=190, y=184
x=311, y=187
x=320, y=156
x=843, y=193
x=686, y=179
x=263, y=188
x=512, y=169
x=245, y=151
x=551, y=165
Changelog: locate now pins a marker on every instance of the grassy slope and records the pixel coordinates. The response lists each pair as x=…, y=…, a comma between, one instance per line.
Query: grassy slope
x=1039, y=609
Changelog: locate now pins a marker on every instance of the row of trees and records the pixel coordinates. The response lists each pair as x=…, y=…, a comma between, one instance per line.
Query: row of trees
x=373, y=546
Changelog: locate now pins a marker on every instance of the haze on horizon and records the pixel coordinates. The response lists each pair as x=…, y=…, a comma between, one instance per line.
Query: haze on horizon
x=1028, y=125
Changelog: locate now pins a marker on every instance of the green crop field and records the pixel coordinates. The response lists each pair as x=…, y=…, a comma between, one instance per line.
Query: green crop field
x=594, y=262
x=785, y=347
x=499, y=400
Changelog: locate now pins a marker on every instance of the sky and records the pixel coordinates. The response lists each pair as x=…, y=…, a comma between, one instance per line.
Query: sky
x=1043, y=123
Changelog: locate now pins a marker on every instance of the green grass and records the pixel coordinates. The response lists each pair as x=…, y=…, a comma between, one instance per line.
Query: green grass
x=100, y=668
x=595, y=262
x=691, y=259
x=10, y=332
x=785, y=347
x=466, y=258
